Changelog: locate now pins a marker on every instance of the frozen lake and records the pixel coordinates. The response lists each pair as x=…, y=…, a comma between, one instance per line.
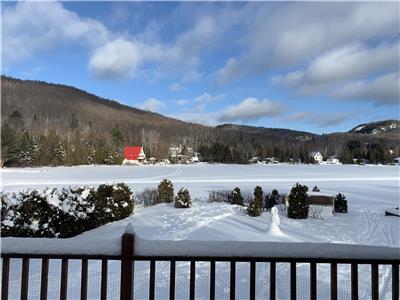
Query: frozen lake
x=368, y=189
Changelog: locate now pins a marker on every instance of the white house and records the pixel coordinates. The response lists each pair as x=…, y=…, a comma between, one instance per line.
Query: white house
x=317, y=156
x=333, y=160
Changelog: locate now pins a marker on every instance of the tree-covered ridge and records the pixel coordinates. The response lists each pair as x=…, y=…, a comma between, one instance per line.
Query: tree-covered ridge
x=48, y=124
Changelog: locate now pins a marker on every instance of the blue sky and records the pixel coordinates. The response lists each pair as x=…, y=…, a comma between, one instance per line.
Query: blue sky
x=318, y=67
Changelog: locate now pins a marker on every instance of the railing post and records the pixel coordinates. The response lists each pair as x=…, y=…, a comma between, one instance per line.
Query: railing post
x=128, y=238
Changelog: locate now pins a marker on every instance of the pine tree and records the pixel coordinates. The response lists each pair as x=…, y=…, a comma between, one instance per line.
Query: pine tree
x=271, y=199
x=255, y=206
x=165, y=191
x=235, y=197
x=298, y=202
x=183, y=200
x=340, y=203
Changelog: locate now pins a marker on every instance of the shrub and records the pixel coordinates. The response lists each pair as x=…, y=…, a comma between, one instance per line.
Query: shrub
x=72, y=210
x=182, y=200
x=315, y=189
x=340, y=203
x=63, y=213
x=165, y=191
x=148, y=197
x=298, y=202
x=219, y=196
x=235, y=197
x=255, y=206
x=272, y=199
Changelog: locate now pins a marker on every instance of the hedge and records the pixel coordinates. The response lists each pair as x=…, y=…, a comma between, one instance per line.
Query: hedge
x=63, y=213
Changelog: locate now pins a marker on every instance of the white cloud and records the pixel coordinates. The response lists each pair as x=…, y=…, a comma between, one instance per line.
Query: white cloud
x=320, y=119
x=30, y=27
x=153, y=105
x=117, y=59
x=383, y=90
x=340, y=65
x=250, y=109
x=279, y=35
x=176, y=87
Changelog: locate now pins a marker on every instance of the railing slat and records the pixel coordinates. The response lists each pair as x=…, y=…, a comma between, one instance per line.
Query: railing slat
x=253, y=280
x=395, y=282
x=64, y=279
x=104, y=275
x=192, y=279
x=84, y=279
x=5, y=278
x=212, y=280
x=127, y=265
x=375, y=281
x=354, y=281
x=272, y=280
x=333, y=281
x=293, y=281
x=313, y=280
x=44, y=278
x=172, y=269
x=25, y=278
x=232, y=288
x=152, y=280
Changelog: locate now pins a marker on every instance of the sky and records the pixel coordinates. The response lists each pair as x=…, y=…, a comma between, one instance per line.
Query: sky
x=318, y=67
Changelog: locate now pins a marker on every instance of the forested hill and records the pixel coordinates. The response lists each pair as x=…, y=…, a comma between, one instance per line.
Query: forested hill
x=55, y=124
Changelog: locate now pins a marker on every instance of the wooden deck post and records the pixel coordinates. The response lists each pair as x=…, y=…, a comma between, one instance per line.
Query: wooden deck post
x=128, y=239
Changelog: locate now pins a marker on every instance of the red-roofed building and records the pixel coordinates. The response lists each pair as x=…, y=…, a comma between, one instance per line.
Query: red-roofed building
x=134, y=154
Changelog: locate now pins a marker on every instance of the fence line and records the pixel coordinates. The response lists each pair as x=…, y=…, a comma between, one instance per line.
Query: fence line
x=128, y=257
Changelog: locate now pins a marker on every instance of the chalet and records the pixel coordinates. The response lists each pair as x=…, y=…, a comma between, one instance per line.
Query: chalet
x=333, y=160
x=134, y=155
x=316, y=156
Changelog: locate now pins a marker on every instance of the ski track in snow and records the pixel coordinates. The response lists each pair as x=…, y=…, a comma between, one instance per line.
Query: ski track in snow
x=368, y=189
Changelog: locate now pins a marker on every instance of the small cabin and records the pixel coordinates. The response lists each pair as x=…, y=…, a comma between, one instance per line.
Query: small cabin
x=134, y=155
x=316, y=156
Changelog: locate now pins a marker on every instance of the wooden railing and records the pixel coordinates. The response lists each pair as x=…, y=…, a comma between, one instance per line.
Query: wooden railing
x=128, y=257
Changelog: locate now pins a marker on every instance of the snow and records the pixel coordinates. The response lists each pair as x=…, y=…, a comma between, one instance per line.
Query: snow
x=221, y=229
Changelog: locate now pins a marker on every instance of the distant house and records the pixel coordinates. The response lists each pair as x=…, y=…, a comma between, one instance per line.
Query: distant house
x=333, y=160
x=317, y=156
x=134, y=155
x=397, y=160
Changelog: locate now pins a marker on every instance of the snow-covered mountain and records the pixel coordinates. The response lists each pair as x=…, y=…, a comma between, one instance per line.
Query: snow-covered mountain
x=387, y=126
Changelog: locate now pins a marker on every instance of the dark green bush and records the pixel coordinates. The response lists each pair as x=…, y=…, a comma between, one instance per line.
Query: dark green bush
x=183, y=200
x=165, y=191
x=340, y=203
x=298, y=202
x=255, y=206
x=63, y=213
x=235, y=197
x=272, y=199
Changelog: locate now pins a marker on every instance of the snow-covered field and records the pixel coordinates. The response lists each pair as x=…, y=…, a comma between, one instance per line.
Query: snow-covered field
x=368, y=189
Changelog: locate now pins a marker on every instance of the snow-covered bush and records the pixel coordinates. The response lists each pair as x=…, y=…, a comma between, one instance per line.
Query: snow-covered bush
x=255, y=206
x=340, y=203
x=148, y=197
x=219, y=196
x=298, y=202
x=111, y=203
x=63, y=213
x=183, y=200
x=165, y=191
x=235, y=197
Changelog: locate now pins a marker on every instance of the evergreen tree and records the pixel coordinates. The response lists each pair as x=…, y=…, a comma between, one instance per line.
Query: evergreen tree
x=255, y=206
x=165, y=191
x=298, y=202
x=183, y=200
x=271, y=199
x=340, y=203
x=235, y=197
